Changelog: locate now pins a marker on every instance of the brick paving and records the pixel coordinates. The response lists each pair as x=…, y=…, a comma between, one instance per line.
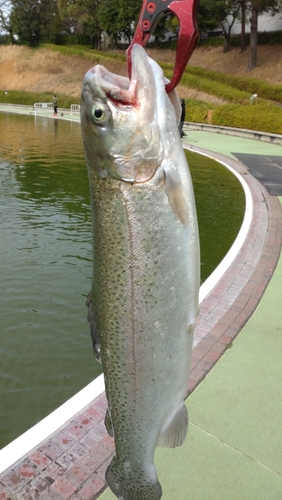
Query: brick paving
x=71, y=464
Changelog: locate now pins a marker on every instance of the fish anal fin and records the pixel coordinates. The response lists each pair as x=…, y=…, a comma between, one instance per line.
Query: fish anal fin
x=108, y=423
x=175, y=432
x=94, y=326
x=127, y=489
x=175, y=193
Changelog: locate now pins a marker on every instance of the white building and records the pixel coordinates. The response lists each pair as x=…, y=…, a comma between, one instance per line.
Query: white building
x=265, y=23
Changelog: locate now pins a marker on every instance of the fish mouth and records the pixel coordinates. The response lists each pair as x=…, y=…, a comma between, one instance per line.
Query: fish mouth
x=115, y=87
x=121, y=89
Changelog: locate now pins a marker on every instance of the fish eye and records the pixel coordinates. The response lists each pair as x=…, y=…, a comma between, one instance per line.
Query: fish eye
x=100, y=113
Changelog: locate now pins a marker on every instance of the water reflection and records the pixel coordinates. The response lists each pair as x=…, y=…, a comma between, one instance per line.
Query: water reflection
x=46, y=268
x=220, y=205
x=46, y=261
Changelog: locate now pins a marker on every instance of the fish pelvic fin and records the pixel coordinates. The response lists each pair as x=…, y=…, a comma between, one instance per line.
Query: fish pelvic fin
x=175, y=193
x=126, y=489
x=175, y=432
x=94, y=327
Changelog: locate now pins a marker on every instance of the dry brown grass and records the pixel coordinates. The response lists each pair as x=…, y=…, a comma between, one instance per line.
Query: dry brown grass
x=22, y=68
x=269, y=62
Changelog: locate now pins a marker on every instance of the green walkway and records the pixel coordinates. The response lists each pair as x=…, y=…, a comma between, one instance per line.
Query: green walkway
x=227, y=145
x=234, y=443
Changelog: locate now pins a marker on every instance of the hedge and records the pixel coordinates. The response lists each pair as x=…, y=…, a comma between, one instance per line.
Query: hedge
x=29, y=98
x=197, y=111
x=226, y=92
x=264, y=38
x=85, y=53
x=256, y=117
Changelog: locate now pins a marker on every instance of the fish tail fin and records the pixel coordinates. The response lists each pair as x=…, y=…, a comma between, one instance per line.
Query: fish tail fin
x=175, y=432
x=124, y=487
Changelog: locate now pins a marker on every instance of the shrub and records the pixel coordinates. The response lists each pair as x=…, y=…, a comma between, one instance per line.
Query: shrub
x=211, y=87
x=257, y=117
x=197, y=111
x=29, y=98
x=264, y=38
x=85, y=53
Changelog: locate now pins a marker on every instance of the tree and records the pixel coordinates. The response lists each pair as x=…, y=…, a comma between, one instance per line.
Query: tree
x=31, y=20
x=82, y=17
x=128, y=17
x=228, y=16
x=4, y=19
x=243, y=25
x=206, y=16
x=118, y=18
x=69, y=25
x=108, y=12
x=6, y=25
x=215, y=13
x=271, y=7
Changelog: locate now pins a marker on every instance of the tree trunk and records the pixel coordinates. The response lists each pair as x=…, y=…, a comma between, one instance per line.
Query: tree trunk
x=252, y=61
x=97, y=43
x=226, y=45
x=243, y=26
x=227, y=35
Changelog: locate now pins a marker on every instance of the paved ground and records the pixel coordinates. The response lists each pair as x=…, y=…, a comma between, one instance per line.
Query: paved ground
x=267, y=169
x=233, y=447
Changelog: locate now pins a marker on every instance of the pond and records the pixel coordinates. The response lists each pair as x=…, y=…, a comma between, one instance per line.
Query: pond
x=46, y=261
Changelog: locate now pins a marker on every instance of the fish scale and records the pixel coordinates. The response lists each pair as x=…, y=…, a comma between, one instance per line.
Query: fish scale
x=144, y=296
x=135, y=271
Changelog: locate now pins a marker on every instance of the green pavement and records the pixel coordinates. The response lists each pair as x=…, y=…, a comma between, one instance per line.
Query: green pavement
x=234, y=446
x=234, y=443
x=226, y=144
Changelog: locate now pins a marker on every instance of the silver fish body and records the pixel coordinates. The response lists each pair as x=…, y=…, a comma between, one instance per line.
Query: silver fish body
x=144, y=297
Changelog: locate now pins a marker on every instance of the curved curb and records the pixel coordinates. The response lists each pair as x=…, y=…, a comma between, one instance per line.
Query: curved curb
x=231, y=302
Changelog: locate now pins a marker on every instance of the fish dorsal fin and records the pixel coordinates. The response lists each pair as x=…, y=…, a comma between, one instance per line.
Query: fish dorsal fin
x=175, y=432
x=175, y=192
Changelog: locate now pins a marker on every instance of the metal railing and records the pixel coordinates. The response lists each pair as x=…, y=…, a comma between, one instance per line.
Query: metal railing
x=75, y=109
x=43, y=106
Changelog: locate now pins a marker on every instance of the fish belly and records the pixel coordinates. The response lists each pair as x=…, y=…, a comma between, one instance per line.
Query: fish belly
x=143, y=293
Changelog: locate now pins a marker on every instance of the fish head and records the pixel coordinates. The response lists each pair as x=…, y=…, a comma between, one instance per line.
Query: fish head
x=122, y=120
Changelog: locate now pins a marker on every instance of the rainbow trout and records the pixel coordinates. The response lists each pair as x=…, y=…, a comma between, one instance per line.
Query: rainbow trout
x=144, y=297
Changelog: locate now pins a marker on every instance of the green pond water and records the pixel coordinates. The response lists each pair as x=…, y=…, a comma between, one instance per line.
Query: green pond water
x=46, y=261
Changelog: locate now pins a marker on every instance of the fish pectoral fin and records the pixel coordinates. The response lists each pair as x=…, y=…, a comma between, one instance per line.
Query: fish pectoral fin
x=108, y=424
x=175, y=193
x=175, y=432
x=94, y=327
